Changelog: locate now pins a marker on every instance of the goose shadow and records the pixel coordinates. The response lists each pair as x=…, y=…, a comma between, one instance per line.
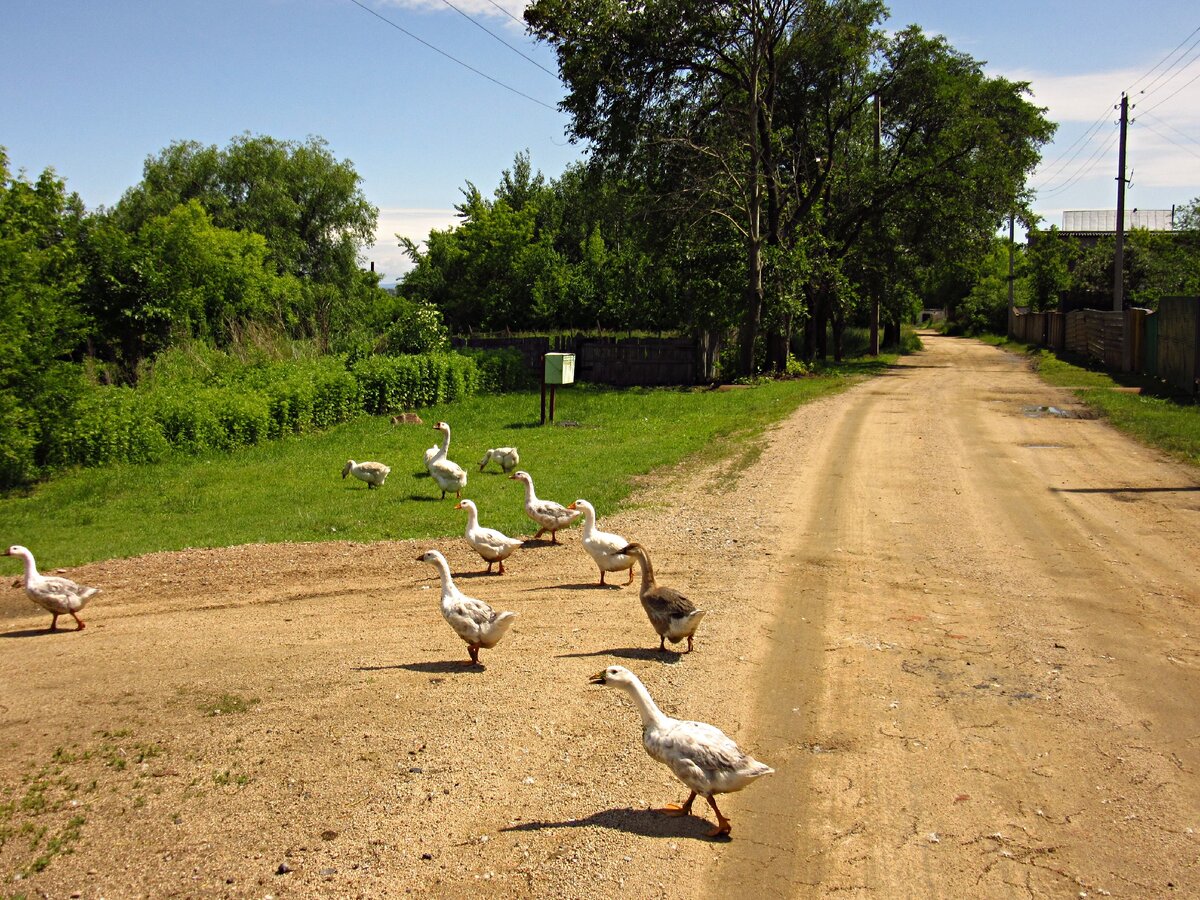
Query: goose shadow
x=589, y=586
x=530, y=543
x=646, y=654
x=424, y=498
x=36, y=632
x=644, y=822
x=438, y=667
x=459, y=576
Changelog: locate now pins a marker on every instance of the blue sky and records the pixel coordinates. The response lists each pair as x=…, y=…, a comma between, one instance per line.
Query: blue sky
x=91, y=89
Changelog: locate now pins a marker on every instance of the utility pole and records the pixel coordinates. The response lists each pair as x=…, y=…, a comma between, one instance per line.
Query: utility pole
x=1119, y=252
x=1011, y=270
x=879, y=281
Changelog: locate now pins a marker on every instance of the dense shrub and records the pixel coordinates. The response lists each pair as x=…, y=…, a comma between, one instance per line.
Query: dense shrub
x=110, y=424
x=197, y=400
x=405, y=382
x=500, y=371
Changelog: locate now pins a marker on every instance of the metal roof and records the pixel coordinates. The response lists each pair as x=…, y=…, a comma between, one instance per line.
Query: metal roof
x=1105, y=220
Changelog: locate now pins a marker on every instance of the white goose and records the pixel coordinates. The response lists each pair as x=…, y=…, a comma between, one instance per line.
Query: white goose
x=507, y=457
x=702, y=756
x=604, y=548
x=450, y=476
x=472, y=620
x=548, y=515
x=373, y=473
x=58, y=596
x=489, y=543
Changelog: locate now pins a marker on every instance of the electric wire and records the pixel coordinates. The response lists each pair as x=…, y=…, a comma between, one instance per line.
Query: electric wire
x=520, y=22
x=1166, y=124
x=1171, y=140
x=1174, y=93
x=1171, y=73
x=493, y=34
x=1059, y=163
x=448, y=56
x=1129, y=89
x=1087, y=167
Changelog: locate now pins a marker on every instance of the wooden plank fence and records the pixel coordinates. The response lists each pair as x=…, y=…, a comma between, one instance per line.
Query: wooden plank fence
x=1164, y=344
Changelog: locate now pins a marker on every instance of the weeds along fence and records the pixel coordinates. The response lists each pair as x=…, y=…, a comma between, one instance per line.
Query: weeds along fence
x=1163, y=344
x=622, y=362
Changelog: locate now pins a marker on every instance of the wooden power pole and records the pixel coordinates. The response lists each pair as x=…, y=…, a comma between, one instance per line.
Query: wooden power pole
x=1119, y=250
x=874, y=350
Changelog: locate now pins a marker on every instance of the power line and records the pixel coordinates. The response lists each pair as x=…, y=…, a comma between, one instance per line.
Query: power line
x=1176, y=91
x=1166, y=124
x=1090, y=164
x=1172, y=71
x=493, y=34
x=1171, y=140
x=1129, y=89
x=502, y=9
x=453, y=59
x=1060, y=162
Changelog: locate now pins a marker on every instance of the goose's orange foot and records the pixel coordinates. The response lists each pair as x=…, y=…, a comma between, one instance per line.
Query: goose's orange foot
x=672, y=809
x=723, y=827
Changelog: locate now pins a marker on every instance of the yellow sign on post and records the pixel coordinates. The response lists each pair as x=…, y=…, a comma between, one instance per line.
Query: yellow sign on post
x=557, y=368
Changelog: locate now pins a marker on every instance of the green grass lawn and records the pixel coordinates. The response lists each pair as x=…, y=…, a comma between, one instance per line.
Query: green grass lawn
x=1139, y=406
x=290, y=490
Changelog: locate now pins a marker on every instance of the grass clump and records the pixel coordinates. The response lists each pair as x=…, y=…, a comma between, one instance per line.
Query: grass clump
x=228, y=705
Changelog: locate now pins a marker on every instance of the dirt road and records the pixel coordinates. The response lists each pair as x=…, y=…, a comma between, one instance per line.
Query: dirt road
x=964, y=630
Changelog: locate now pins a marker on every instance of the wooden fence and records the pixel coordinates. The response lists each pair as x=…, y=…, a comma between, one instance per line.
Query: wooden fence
x=622, y=362
x=1163, y=344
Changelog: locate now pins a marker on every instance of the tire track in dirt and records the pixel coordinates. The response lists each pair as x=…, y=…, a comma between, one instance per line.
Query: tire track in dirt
x=1001, y=698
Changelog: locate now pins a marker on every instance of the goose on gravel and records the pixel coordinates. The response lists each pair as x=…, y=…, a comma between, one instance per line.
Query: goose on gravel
x=703, y=757
x=673, y=615
x=472, y=620
x=605, y=548
x=548, y=515
x=58, y=596
x=492, y=545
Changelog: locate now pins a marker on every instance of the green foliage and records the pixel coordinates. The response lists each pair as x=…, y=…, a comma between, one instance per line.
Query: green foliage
x=406, y=382
x=500, y=371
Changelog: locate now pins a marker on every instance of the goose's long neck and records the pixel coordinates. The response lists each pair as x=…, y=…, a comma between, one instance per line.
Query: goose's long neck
x=472, y=518
x=530, y=496
x=30, y=568
x=446, y=440
x=648, y=582
x=651, y=714
x=589, y=519
x=448, y=588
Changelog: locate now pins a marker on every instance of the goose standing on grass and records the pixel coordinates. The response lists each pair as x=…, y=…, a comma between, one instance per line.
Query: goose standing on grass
x=548, y=515
x=438, y=449
x=450, y=476
x=472, y=620
x=673, y=615
x=58, y=596
x=489, y=543
x=703, y=757
x=373, y=473
x=605, y=548
x=507, y=457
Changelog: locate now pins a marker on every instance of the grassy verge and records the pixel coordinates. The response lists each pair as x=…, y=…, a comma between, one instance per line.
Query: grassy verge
x=290, y=489
x=1139, y=406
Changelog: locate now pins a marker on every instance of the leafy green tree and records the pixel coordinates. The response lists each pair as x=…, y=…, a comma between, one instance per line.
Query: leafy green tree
x=306, y=203
x=1047, y=266
x=180, y=278
x=41, y=324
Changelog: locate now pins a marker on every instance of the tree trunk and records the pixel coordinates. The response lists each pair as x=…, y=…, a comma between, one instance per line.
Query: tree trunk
x=839, y=331
x=821, y=319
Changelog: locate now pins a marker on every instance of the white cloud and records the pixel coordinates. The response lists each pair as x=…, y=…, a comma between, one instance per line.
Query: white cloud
x=414, y=224
x=507, y=12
